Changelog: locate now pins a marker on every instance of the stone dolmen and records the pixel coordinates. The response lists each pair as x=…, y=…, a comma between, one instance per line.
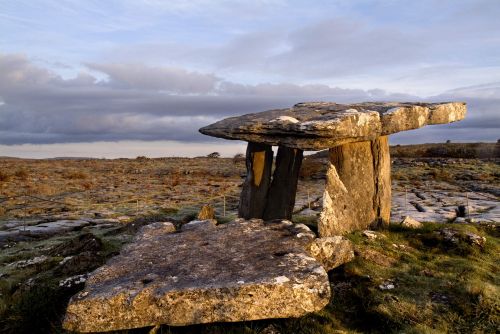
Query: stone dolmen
x=260, y=265
x=358, y=188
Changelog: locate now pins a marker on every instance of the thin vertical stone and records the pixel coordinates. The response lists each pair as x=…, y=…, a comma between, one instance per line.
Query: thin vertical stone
x=281, y=197
x=382, y=179
x=259, y=161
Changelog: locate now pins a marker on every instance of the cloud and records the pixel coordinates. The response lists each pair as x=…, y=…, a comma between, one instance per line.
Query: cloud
x=159, y=103
x=482, y=122
x=166, y=79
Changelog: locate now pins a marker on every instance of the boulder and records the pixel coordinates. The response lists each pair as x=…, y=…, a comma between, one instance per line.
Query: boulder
x=243, y=270
x=332, y=252
x=411, y=223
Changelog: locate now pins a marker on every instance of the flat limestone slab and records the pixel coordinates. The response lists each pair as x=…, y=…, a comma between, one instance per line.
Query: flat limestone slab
x=244, y=270
x=321, y=125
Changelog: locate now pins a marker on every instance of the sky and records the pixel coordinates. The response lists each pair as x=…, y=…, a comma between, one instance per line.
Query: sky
x=140, y=77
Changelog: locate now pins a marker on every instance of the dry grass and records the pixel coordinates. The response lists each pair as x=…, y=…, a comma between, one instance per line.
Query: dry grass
x=448, y=150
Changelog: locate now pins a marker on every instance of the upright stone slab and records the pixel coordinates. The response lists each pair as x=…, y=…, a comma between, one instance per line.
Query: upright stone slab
x=350, y=189
x=281, y=197
x=382, y=178
x=358, y=188
x=259, y=162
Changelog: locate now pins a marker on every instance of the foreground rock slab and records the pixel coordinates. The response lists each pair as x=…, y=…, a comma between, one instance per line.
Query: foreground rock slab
x=244, y=270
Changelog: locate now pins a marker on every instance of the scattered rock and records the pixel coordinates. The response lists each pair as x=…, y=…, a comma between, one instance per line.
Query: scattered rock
x=153, y=229
x=309, y=212
x=454, y=237
x=461, y=211
x=206, y=212
x=475, y=239
x=244, y=270
x=195, y=224
x=86, y=242
x=332, y=252
x=40, y=231
x=28, y=263
x=439, y=297
x=372, y=235
x=73, y=281
x=387, y=285
x=411, y=223
x=419, y=207
x=450, y=235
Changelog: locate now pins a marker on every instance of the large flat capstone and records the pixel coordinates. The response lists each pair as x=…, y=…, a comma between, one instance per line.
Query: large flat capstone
x=321, y=125
x=244, y=270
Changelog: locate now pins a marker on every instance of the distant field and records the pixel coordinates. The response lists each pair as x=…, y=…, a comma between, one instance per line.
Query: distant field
x=439, y=286
x=447, y=150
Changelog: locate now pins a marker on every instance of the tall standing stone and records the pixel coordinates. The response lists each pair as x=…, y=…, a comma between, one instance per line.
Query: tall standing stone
x=259, y=161
x=358, y=187
x=281, y=197
x=382, y=178
x=348, y=197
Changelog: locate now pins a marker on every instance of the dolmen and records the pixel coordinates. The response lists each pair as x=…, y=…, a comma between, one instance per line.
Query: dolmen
x=261, y=265
x=358, y=188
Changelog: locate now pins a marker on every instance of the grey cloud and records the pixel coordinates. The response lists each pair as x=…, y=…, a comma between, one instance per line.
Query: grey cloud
x=172, y=80
x=41, y=107
x=328, y=48
x=482, y=122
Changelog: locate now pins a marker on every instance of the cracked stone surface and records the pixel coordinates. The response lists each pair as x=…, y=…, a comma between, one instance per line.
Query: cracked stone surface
x=243, y=270
x=440, y=202
x=16, y=231
x=320, y=125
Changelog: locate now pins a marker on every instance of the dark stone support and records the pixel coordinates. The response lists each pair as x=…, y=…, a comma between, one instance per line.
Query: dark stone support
x=281, y=197
x=259, y=161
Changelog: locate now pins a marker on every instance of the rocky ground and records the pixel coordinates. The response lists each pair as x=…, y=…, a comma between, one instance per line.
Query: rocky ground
x=61, y=219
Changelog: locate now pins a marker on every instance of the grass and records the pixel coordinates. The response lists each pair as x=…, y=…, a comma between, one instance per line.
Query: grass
x=448, y=150
x=439, y=288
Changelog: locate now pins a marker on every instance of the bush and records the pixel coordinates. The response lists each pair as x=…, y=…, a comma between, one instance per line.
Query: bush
x=76, y=175
x=21, y=173
x=239, y=157
x=4, y=176
x=214, y=155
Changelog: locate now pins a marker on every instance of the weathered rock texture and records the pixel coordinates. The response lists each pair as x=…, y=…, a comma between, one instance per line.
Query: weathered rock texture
x=331, y=252
x=243, y=270
x=321, y=125
x=358, y=188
